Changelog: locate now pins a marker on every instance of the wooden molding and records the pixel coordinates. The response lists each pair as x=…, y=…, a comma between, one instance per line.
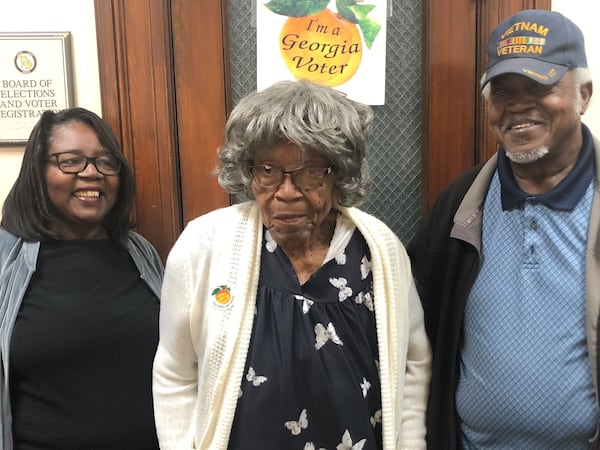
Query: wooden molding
x=135, y=60
x=201, y=67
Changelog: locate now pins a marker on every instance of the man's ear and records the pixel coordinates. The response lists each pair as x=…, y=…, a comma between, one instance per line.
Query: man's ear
x=586, y=90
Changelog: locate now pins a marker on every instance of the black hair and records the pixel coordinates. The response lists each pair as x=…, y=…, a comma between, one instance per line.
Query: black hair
x=28, y=212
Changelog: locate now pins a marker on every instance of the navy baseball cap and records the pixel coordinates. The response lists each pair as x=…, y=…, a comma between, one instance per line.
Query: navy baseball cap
x=542, y=45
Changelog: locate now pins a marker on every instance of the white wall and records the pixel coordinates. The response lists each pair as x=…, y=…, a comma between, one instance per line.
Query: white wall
x=585, y=14
x=75, y=16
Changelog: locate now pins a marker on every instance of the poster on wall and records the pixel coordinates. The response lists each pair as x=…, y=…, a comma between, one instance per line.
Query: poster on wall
x=35, y=75
x=337, y=43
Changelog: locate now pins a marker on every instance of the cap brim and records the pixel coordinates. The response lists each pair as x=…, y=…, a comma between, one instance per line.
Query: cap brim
x=540, y=71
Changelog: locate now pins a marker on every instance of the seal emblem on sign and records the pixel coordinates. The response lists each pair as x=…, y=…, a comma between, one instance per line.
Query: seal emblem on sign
x=25, y=61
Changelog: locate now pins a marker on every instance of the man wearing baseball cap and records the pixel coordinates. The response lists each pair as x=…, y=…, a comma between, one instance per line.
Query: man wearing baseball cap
x=507, y=263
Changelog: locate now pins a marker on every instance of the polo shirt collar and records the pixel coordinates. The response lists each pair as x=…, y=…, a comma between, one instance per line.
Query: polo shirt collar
x=565, y=195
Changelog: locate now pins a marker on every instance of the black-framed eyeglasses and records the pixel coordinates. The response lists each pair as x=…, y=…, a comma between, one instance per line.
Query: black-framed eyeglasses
x=270, y=177
x=69, y=162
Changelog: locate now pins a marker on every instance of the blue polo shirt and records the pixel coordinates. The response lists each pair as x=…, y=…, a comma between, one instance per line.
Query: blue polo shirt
x=525, y=378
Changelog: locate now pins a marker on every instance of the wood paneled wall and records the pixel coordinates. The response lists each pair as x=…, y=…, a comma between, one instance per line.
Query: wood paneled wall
x=455, y=133
x=163, y=69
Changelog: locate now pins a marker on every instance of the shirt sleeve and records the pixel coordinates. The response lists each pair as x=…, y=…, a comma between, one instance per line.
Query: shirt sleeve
x=175, y=372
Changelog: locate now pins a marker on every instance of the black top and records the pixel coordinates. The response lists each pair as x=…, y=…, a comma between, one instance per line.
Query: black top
x=311, y=379
x=82, y=351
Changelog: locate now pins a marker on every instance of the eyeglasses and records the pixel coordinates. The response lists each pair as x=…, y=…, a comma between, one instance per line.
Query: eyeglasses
x=270, y=177
x=69, y=162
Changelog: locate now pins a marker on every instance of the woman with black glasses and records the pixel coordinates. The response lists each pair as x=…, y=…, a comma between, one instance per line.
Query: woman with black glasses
x=291, y=321
x=78, y=295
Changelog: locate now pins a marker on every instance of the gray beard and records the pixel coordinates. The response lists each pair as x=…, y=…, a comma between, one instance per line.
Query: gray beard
x=528, y=157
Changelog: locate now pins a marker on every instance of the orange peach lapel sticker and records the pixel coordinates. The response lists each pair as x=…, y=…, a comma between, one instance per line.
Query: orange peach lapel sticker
x=222, y=295
x=320, y=45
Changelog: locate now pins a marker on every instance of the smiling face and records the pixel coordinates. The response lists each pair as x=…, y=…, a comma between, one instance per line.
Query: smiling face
x=529, y=119
x=80, y=201
x=293, y=216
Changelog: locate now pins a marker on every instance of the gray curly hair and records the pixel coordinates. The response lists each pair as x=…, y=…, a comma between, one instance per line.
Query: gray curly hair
x=313, y=117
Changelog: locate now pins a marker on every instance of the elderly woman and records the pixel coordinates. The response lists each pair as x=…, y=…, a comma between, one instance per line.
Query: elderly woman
x=78, y=295
x=291, y=321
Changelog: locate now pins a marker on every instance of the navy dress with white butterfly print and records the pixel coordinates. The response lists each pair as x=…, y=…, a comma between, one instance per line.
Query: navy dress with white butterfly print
x=311, y=379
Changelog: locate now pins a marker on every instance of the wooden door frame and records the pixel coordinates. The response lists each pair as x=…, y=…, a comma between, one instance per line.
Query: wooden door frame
x=141, y=67
x=201, y=64
x=136, y=92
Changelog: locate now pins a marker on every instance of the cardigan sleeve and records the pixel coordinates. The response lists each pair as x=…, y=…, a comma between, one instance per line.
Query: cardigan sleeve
x=175, y=374
x=200, y=358
x=417, y=374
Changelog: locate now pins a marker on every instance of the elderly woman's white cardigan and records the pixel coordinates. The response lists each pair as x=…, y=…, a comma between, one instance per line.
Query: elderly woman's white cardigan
x=201, y=355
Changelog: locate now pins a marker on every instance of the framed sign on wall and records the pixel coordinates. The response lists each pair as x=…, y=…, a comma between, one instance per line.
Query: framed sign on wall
x=35, y=76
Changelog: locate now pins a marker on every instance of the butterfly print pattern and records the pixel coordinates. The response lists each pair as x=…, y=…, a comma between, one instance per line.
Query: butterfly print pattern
x=311, y=446
x=345, y=291
x=365, y=298
x=376, y=418
x=256, y=380
x=347, y=444
x=365, y=386
x=340, y=258
x=365, y=267
x=306, y=303
x=296, y=427
x=326, y=334
x=337, y=301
